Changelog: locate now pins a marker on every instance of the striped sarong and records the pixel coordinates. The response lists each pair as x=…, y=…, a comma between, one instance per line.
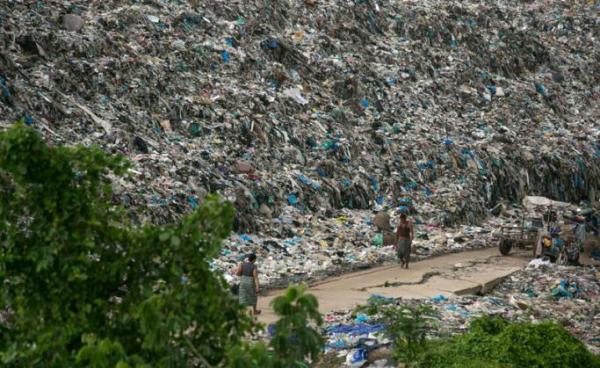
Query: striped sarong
x=247, y=291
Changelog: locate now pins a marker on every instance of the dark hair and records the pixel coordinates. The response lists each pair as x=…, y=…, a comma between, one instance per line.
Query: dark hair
x=403, y=216
x=252, y=257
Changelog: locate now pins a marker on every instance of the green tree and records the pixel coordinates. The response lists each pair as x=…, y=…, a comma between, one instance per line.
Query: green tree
x=82, y=287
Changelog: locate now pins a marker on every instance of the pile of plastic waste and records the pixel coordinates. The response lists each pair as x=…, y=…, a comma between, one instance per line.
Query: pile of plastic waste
x=312, y=114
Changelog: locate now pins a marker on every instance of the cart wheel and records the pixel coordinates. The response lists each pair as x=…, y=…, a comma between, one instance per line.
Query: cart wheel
x=505, y=246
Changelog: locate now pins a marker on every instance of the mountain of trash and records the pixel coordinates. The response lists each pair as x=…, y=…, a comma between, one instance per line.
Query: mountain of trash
x=303, y=112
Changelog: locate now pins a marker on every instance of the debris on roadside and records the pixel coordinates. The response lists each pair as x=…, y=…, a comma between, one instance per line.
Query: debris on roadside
x=568, y=295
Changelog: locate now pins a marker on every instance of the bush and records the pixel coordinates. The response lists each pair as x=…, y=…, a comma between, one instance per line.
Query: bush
x=407, y=327
x=294, y=339
x=493, y=342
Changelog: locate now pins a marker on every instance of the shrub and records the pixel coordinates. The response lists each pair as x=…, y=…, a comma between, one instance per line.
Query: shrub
x=293, y=341
x=407, y=326
x=493, y=342
x=295, y=338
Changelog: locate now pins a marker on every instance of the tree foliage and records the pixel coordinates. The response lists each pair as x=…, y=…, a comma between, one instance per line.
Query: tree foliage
x=82, y=287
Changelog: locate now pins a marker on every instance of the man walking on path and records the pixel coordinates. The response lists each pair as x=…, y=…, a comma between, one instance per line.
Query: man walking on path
x=404, y=237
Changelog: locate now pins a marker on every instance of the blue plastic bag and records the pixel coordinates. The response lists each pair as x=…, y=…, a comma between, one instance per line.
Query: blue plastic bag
x=292, y=199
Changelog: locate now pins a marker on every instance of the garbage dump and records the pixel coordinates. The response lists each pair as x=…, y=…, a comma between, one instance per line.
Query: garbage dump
x=312, y=116
x=569, y=295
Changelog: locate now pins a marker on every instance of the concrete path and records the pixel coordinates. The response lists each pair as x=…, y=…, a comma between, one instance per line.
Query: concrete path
x=458, y=273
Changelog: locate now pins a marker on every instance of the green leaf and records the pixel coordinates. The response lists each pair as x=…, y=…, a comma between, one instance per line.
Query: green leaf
x=89, y=289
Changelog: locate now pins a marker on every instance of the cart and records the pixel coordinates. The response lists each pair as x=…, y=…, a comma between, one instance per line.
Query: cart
x=539, y=215
x=524, y=236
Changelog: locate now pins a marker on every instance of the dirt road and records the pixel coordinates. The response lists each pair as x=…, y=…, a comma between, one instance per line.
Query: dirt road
x=458, y=273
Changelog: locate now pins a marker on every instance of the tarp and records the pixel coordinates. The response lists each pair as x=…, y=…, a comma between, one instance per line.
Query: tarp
x=358, y=329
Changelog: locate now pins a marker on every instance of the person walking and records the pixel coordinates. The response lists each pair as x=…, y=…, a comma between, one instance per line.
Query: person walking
x=249, y=286
x=404, y=237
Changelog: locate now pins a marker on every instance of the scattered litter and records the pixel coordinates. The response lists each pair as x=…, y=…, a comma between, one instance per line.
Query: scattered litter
x=567, y=294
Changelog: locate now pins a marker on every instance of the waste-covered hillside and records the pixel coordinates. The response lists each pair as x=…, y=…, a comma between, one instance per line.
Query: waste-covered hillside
x=295, y=110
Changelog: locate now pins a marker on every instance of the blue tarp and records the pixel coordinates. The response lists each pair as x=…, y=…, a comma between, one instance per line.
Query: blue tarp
x=358, y=329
